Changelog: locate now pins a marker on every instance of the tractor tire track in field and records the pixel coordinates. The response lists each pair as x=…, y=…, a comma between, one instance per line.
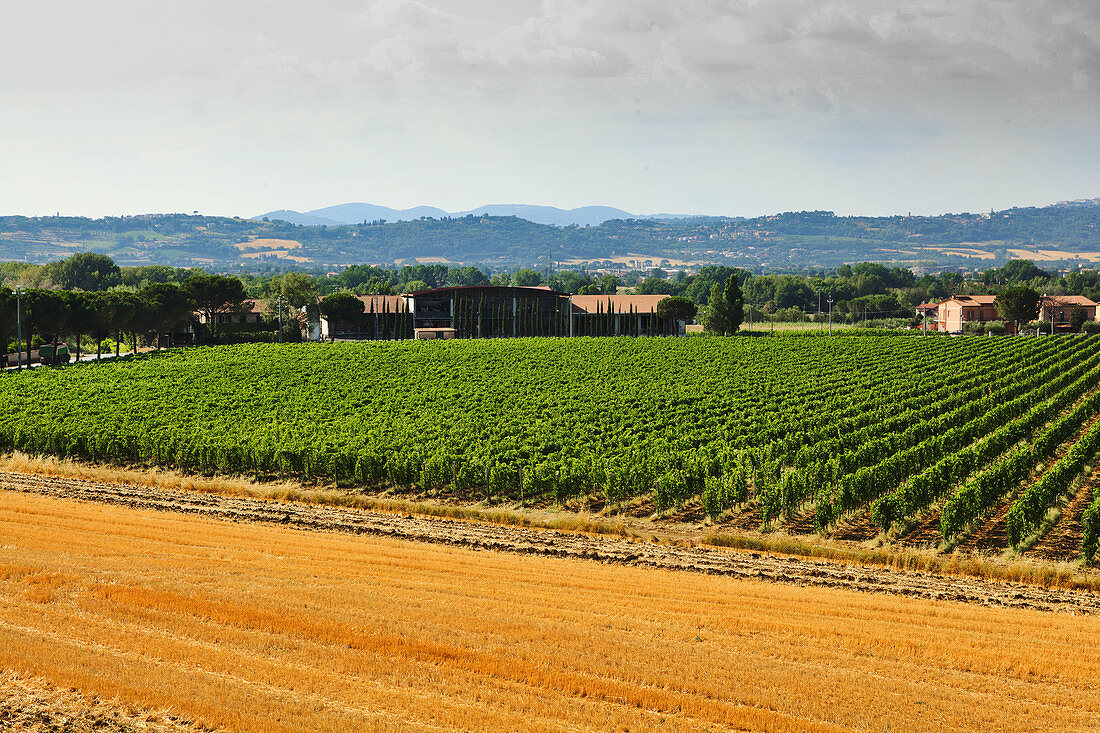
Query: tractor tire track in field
x=481, y=536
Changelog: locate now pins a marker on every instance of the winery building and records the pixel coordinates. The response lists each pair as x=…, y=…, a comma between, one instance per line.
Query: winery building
x=493, y=311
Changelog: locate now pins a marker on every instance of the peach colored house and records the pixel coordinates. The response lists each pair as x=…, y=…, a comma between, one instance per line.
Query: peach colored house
x=1060, y=308
x=958, y=310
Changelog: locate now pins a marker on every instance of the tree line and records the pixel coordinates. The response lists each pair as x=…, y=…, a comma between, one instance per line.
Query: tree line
x=150, y=312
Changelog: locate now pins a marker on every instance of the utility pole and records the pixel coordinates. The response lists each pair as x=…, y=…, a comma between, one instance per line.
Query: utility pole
x=280, y=319
x=819, y=303
x=830, y=315
x=19, y=328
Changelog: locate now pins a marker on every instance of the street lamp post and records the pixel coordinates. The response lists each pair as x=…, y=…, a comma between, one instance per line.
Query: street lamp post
x=280, y=319
x=830, y=315
x=19, y=328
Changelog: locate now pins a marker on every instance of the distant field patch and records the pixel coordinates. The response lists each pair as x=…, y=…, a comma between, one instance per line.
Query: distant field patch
x=269, y=244
x=1053, y=255
x=980, y=254
x=629, y=259
x=282, y=254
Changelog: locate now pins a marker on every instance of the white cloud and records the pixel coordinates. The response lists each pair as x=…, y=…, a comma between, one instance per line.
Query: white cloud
x=355, y=85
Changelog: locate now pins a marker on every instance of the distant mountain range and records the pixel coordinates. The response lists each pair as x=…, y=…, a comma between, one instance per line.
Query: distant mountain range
x=358, y=213
x=1063, y=236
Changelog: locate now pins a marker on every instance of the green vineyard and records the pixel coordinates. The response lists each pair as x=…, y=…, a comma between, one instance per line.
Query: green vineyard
x=888, y=430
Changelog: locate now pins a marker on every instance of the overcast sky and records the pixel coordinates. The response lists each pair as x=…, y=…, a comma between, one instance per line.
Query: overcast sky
x=733, y=107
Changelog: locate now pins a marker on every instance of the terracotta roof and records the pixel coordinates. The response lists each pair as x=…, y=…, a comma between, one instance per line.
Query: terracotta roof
x=540, y=289
x=974, y=299
x=621, y=303
x=1070, y=300
x=258, y=306
x=392, y=303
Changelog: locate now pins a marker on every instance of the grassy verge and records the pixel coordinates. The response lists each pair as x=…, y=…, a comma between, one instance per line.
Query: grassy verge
x=289, y=491
x=1047, y=575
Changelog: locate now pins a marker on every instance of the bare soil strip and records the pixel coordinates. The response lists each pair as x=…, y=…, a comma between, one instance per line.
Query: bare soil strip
x=992, y=533
x=1063, y=540
x=36, y=705
x=857, y=528
x=926, y=532
x=479, y=536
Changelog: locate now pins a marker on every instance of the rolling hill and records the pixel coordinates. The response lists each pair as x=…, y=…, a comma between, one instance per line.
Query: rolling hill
x=1065, y=235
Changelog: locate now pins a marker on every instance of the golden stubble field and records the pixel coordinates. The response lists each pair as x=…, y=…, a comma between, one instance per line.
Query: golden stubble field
x=253, y=627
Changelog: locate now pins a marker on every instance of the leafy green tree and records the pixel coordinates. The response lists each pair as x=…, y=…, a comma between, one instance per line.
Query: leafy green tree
x=1077, y=318
x=570, y=281
x=433, y=275
x=7, y=322
x=100, y=325
x=86, y=271
x=340, y=309
x=359, y=275
x=715, y=319
x=657, y=286
x=144, y=275
x=171, y=305
x=215, y=295
x=44, y=312
x=1021, y=271
x=526, y=278
x=79, y=316
x=125, y=309
x=734, y=303
x=676, y=308
x=1018, y=304
x=466, y=276
x=413, y=286
x=725, y=308
x=298, y=290
x=374, y=286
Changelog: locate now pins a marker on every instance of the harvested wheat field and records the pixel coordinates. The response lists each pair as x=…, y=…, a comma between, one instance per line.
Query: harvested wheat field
x=247, y=626
x=36, y=705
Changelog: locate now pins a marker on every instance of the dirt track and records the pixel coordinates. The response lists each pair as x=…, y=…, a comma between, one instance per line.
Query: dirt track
x=481, y=536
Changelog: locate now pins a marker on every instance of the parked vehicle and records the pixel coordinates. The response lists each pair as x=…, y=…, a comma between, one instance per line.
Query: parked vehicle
x=54, y=353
